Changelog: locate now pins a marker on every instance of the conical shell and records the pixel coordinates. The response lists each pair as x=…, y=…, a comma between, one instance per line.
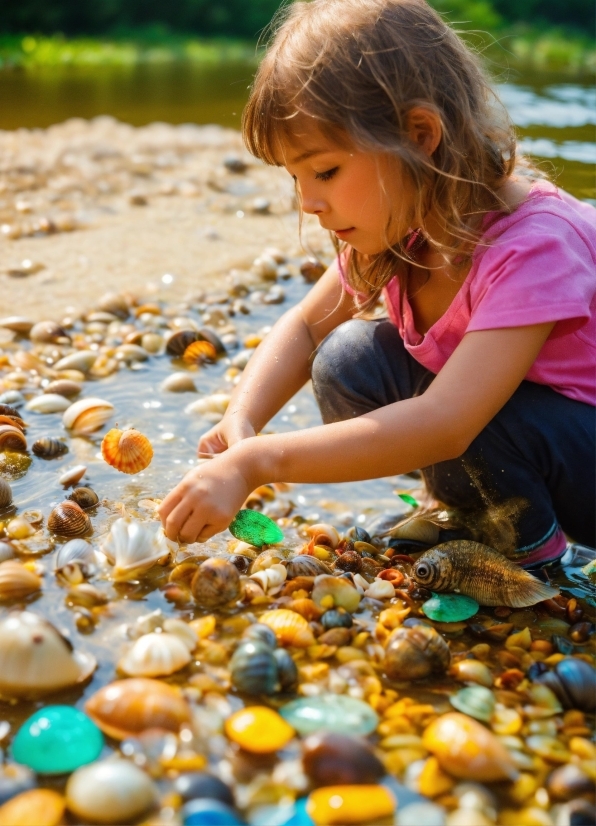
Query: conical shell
x=11, y=438
x=48, y=448
x=127, y=707
x=155, y=655
x=290, y=628
x=126, y=450
x=133, y=547
x=68, y=519
x=35, y=659
x=87, y=415
x=17, y=581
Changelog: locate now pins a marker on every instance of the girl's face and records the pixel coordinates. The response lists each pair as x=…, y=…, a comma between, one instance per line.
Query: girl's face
x=363, y=197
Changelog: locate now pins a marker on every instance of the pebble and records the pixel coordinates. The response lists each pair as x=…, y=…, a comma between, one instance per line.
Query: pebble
x=258, y=729
x=56, y=740
x=37, y=807
x=330, y=712
x=340, y=805
x=209, y=813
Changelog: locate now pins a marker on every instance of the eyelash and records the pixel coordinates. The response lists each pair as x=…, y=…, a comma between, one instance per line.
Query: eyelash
x=326, y=176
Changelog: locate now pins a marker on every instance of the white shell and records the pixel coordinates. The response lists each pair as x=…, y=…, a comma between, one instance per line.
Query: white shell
x=380, y=589
x=102, y=410
x=181, y=630
x=271, y=579
x=328, y=534
x=155, y=655
x=110, y=791
x=133, y=546
x=77, y=550
x=73, y=475
x=48, y=403
x=82, y=360
x=217, y=403
x=179, y=383
x=16, y=323
x=35, y=658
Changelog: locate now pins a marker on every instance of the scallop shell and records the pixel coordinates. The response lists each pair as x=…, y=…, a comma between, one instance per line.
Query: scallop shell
x=48, y=448
x=126, y=450
x=323, y=534
x=417, y=528
x=5, y=494
x=82, y=360
x=179, y=383
x=290, y=628
x=110, y=791
x=271, y=579
x=68, y=519
x=85, y=498
x=134, y=547
x=87, y=415
x=128, y=707
x=199, y=351
x=155, y=655
x=335, y=592
x=36, y=659
x=216, y=582
x=17, y=581
x=11, y=438
x=48, y=332
x=48, y=403
x=64, y=387
x=77, y=550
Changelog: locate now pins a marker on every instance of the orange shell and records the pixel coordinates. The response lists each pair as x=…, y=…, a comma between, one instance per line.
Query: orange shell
x=199, y=351
x=127, y=450
x=290, y=628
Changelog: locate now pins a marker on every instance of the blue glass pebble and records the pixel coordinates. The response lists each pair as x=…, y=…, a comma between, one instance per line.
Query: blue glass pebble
x=450, y=607
x=299, y=816
x=208, y=812
x=56, y=740
x=330, y=712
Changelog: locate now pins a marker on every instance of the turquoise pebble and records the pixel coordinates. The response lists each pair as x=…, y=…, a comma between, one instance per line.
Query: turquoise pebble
x=476, y=701
x=56, y=740
x=330, y=712
x=450, y=607
x=299, y=815
x=208, y=812
x=255, y=528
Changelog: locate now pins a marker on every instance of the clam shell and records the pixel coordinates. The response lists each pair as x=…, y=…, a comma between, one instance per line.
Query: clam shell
x=36, y=659
x=77, y=550
x=417, y=528
x=271, y=579
x=133, y=547
x=73, y=475
x=64, y=387
x=12, y=397
x=127, y=707
x=48, y=448
x=126, y=450
x=306, y=565
x=5, y=494
x=47, y=332
x=48, y=403
x=217, y=403
x=12, y=438
x=183, y=631
x=110, y=791
x=17, y=581
x=179, y=383
x=290, y=628
x=85, y=498
x=82, y=360
x=68, y=519
x=155, y=655
x=335, y=592
x=87, y=415
x=215, y=583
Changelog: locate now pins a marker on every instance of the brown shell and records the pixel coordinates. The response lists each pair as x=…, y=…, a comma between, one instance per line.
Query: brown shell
x=216, y=582
x=68, y=519
x=17, y=581
x=84, y=497
x=13, y=422
x=115, y=304
x=305, y=565
x=5, y=494
x=415, y=653
x=47, y=332
x=7, y=410
x=64, y=387
x=48, y=448
x=178, y=342
x=11, y=438
x=127, y=450
x=128, y=707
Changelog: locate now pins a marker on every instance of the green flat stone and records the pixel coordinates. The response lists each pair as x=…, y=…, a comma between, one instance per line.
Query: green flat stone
x=476, y=701
x=330, y=712
x=450, y=607
x=255, y=528
x=57, y=740
x=409, y=500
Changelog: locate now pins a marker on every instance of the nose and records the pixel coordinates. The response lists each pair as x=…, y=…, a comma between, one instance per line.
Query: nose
x=311, y=203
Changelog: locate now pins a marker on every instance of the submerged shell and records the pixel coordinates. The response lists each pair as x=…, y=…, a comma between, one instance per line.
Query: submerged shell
x=48, y=448
x=179, y=341
x=155, y=655
x=179, y=383
x=48, y=403
x=68, y=519
x=82, y=360
x=36, y=659
x=290, y=628
x=127, y=707
x=481, y=573
x=126, y=450
x=215, y=583
x=12, y=438
x=335, y=592
x=133, y=547
x=216, y=403
x=84, y=497
x=17, y=581
x=87, y=415
x=110, y=791
x=412, y=653
x=5, y=494
x=73, y=475
x=305, y=565
x=77, y=550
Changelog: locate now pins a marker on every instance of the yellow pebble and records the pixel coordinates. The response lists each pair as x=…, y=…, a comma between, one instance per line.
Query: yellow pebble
x=38, y=807
x=347, y=653
x=184, y=763
x=433, y=781
x=506, y=721
x=203, y=626
x=258, y=729
x=327, y=602
x=523, y=787
x=582, y=748
x=349, y=804
x=522, y=639
x=313, y=671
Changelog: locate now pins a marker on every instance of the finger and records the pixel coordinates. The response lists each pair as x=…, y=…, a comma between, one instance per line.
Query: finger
x=169, y=503
x=192, y=527
x=176, y=520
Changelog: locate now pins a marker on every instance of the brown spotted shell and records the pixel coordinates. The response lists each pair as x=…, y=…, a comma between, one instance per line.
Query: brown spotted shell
x=216, y=582
x=84, y=497
x=413, y=653
x=17, y=581
x=127, y=450
x=48, y=448
x=68, y=519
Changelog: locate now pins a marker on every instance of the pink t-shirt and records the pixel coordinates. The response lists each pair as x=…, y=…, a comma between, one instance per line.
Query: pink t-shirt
x=539, y=265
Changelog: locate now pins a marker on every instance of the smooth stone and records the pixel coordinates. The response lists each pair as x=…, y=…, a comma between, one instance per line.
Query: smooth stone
x=421, y=814
x=198, y=785
x=209, y=812
x=341, y=805
x=330, y=712
x=56, y=740
x=450, y=607
x=475, y=701
x=331, y=759
x=258, y=729
x=255, y=528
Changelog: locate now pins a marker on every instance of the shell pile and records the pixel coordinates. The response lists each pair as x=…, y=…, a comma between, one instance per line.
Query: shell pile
x=244, y=683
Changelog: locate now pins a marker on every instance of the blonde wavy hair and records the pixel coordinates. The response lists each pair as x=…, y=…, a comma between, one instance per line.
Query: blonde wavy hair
x=357, y=67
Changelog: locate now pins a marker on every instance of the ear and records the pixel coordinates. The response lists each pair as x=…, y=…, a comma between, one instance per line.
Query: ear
x=424, y=128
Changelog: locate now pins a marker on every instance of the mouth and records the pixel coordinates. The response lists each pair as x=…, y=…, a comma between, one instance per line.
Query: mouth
x=341, y=233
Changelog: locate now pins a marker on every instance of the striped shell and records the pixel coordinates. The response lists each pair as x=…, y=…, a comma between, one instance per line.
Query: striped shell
x=133, y=547
x=68, y=519
x=84, y=497
x=199, y=351
x=215, y=583
x=11, y=438
x=304, y=565
x=87, y=415
x=179, y=341
x=126, y=450
x=17, y=581
x=13, y=421
x=5, y=494
x=64, y=387
x=48, y=448
x=290, y=628
x=77, y=550
x=155, y=655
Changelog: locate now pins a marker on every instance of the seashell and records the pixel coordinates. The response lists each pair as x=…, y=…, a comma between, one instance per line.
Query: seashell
x=155, y=655
x=126, y=450
x=110, y=791
x=48, y=403
x=36, y=659
x=42, y=807
x=335, y=592
x=6, y=551
x=305, y=565
x=262, y=633
x=5, y=494
x=68, y=519
x=348, y=561
x=215, y=583
x=85, y=498
x=177, y=343
x=18, y=324
x=412, y=653
x=216, y=403
x=201, y=785
x=329, y=759
x=133, y=547
x=352, y=804
x=573, y=681
x=77, y=551
x=183, y=631
x=258, y=729
x=179, y=383
x=417, y=528
x=472, y=671
x=311, y=270
x=466, y=749
x=129, y=353
x=271, y=579
x=199, y=351
x=17, y=581
x=323, y=534
x=48, y=332
x=48, y=448
x=13, y=421
x=207, y=334
x=253, y=668
x=82, y=360
x=12, y=398
x=287, y=671
x=272, y=556
x=127, y=707
x=19, y=528
x=12, y=438
x=73, y=475
x=476, y=701
x=87, y=415
x=568, y=782
x=290, y=628
x=380, y=589
x=64, y=387
x=8, y=410
x=114, y=304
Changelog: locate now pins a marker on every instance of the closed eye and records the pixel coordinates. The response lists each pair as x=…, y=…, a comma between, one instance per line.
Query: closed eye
x=326, y=176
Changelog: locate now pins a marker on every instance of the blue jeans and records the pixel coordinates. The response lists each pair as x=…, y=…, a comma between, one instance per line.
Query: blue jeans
x=533, y=467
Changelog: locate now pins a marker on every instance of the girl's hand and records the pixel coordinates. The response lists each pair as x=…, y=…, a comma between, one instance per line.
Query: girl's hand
x=225, y=434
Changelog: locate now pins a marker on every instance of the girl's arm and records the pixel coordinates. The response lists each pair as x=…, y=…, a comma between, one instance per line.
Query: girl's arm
x=481, y=375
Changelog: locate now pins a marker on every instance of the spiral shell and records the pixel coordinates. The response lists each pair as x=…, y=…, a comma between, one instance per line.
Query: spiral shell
x=36, y=659
x=76, y=551
x=271, y=579
x=253, y=668
x=17, y=581
x=48, y=448
x=13, y=421
x=290, y=628
x=5, y=494
x=198, y=352
x=68, y=519
x=127, y=707
x=323, y=534
x=87, y=415
x=415, y=652
x=126, y=450
x=155, y=655
x=12, y=438
x=85, y=498
x=215, y=583
x=305, y=565
x=134, y=546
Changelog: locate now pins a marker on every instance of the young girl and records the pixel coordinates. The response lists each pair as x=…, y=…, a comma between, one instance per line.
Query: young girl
x=484, y=374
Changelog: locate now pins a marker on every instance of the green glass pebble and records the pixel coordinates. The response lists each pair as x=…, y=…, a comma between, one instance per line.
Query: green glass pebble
x=475, y=701
x=255, y=528
x=409, y=500
x=450, y=607
x=56, y=740
x=330, y=712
